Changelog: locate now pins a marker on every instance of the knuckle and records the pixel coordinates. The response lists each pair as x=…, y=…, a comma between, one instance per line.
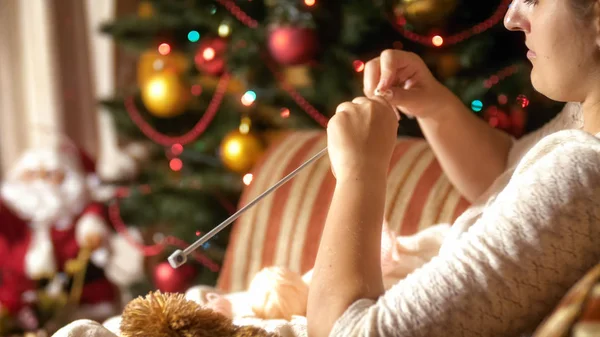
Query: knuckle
x=415, y=57
x=372, y=63
x=369, y=104
x=333, y=123
x=388, y=52
x=342, y=107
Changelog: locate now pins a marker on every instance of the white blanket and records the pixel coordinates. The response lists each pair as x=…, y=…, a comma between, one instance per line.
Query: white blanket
x=400, y=256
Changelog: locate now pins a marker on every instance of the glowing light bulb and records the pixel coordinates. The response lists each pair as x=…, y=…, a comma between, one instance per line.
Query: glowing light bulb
x=248, y=98
x=224, y=30
x=244, y=128
x=358, y=66
x=164, y=49
x=523, y=100
x=176, y=164
x=476, y=105
x=285, y=112
x=247, y=179
x=437, y=41
x=245, y=125
x=193, y=36
x=208, y=54
x=176, y=149
x=310, y=2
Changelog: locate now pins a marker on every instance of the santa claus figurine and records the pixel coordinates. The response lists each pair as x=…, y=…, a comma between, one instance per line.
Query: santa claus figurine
x=47, y=219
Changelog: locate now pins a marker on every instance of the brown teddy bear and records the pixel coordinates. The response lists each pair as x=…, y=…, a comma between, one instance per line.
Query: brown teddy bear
x=171, y=315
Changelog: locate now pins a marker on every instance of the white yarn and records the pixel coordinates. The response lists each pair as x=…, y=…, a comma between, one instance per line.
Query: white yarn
x=278, y=293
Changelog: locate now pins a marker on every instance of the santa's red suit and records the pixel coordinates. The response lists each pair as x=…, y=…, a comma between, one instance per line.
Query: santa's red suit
x=13, y=282
x=32, y=247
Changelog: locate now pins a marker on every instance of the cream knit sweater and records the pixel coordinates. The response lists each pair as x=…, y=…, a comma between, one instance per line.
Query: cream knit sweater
x=512, y=255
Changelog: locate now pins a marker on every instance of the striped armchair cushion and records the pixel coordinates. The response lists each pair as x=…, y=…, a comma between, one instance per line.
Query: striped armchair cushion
x=284, y=229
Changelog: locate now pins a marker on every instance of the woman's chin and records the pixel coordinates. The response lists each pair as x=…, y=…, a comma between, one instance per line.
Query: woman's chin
x=550, y=89
x=541, y=86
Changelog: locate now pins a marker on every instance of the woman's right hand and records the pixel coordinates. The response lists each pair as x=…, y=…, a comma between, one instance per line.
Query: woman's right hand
x=416, y=92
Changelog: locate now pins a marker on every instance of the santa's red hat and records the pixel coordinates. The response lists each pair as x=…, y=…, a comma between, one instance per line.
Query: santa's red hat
x=88, y=165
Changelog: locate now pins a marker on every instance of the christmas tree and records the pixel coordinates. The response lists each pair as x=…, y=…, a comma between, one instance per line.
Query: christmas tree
x=218, y=80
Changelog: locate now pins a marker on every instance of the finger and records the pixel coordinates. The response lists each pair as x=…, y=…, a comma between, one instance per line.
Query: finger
x=372, y=73
x=388, y=94
x=396, y=68
x=387, y=105
x=346, y=106
x=361, y=100
x=388, y=97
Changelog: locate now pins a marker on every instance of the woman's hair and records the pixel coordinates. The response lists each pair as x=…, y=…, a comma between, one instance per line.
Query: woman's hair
x=583, y=8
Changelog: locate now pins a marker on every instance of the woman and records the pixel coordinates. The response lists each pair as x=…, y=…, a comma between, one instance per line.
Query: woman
x=534, y=227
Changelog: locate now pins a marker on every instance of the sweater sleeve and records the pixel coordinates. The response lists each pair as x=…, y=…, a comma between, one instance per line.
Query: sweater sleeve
x=509, y=270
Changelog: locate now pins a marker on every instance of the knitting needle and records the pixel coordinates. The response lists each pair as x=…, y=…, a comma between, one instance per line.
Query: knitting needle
x=179, y=257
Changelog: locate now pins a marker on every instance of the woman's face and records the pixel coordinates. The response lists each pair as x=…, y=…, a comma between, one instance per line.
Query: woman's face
x=563, y=48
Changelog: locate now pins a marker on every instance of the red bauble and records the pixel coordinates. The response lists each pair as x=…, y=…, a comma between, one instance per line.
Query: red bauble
x=293, y=45
x=170, y=280
x=210, y=56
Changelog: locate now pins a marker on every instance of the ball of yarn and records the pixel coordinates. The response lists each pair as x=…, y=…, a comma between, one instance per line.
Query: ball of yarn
x=278, y=293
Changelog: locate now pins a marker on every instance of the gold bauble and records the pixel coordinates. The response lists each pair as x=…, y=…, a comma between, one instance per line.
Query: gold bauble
x=298, y=76
x=240, y=151
x=165, y=95
x=426, y=12
x=145, y=9
x=152, y=63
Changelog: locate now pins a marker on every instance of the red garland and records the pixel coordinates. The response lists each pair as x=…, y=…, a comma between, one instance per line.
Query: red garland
x=301, y=101
x=239, y=14
x=499, y=76
x=461, y=36
x=190, y=136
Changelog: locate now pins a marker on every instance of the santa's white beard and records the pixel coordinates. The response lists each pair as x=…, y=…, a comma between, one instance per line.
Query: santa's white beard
x=41, y=202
